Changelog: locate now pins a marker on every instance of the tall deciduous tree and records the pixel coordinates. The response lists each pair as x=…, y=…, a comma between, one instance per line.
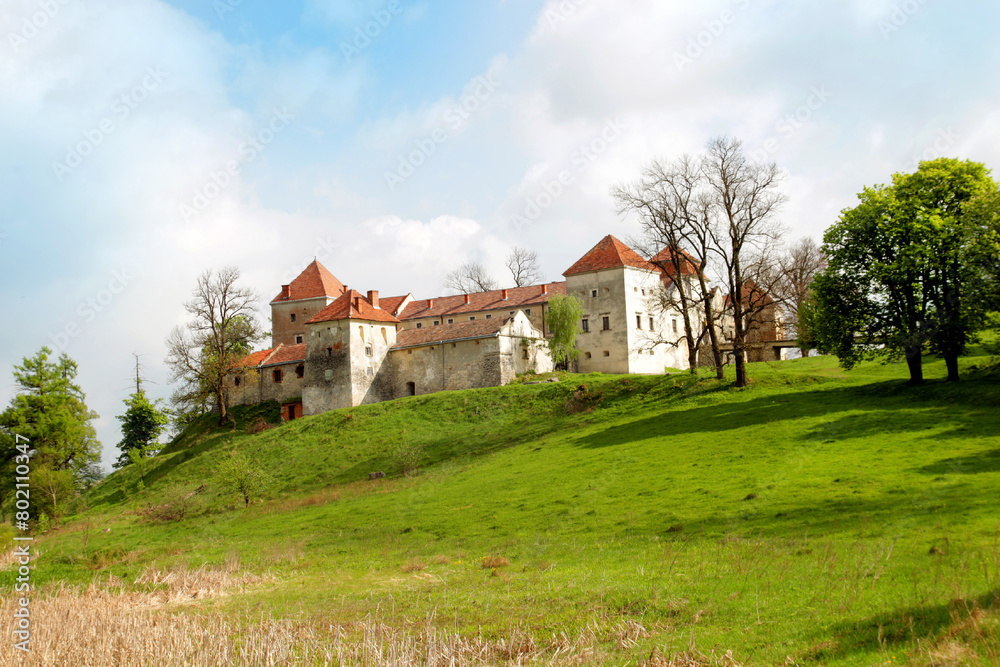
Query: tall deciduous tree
x=743, y=197
x=905, y=269
x=799, y=266
x=470, y=278
x=222, y=332
x=563, y=320
x=523, y=266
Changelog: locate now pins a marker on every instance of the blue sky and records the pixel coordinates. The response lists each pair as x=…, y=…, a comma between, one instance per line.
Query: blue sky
x=143, y=142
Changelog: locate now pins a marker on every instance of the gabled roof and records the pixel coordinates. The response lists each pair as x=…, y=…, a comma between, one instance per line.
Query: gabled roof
x=255, y=358
x=313, y=283
x=390, y=304
x=450, y=332
x=609, y=253
x=352, y=305
x=517, y=297
x=664, y=262
x=287, y=354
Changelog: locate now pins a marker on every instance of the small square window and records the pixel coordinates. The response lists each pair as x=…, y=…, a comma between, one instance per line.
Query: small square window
x=489, y=317
x=586, y=355
x=298, y=340
x=472, y=317
x=528, y=312
x=524, y=353
x=593, y=292
x=300, y=371
x=237, y=381
x=368, y=351
x=606, y=322
x=420, y=325
x=606, y=353
x=451, y=321
x=585, y=325
x=276, y=376
x=293, y=317
x=437, y=322
x=328, y=374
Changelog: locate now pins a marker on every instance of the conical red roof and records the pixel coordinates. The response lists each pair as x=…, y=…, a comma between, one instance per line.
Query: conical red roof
x=314, y=282
x=609, y=253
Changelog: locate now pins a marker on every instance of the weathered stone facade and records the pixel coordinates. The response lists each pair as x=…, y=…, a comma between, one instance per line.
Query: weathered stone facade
x=334, y=347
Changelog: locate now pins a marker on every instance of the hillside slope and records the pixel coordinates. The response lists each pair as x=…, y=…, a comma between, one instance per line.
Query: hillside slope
x=824, y=517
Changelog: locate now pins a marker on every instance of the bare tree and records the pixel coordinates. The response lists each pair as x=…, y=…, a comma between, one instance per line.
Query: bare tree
x=799, y=265
x=664, y=198
x=469, y=278
x=523, y=266
x=745, y=201
x=205, y=351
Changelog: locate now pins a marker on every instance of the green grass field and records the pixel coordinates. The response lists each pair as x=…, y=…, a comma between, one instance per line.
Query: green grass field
x=818, y=516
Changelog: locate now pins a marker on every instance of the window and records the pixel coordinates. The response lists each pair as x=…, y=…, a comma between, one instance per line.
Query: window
x=361, y=330
x=329, y=351
x=368, y=351
x=585, y=325
x=385, y=338
x=528, y=312
x=605, y=322
x=635, y=289
x=276, y=376
x=606, y=353
x=511, y=312
x=586, y=355
x=328, y=374
x=420, y=325
x=489, y=317
x=675, y=325
x=651, y=327
x=524, y=353
x=593, y=292
x=411, y=389
x=454, y=344
x=451, y=321
x=237, y=381
x=371, y=372
x=293, y=317
x=638, y=321
x=298, y=340
x=437, y=323
x=300, y=371
x=472, y=317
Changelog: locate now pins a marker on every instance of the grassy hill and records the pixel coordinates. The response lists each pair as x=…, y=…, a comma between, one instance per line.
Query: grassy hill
x=815, y=518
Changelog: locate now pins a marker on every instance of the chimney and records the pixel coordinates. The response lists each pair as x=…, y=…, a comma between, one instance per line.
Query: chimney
x=285, y=292
x=373, y=297
x=430, y=303
x=503, y=294
x=467, y=298
x=545, y=289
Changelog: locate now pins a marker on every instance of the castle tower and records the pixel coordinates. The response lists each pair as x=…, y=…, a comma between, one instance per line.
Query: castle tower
x=313, y=290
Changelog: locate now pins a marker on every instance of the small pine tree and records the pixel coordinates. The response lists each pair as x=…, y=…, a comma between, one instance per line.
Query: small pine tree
x=563, y=319
x=142, y=425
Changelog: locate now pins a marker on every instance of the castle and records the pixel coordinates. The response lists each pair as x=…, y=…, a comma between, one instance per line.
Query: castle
x=334, y=347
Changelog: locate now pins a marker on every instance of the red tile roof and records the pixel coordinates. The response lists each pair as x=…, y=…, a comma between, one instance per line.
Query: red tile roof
x=663, y=261
x=517, y=297
x=255, y=358
x=287, y=354
x=390, y=304
x=352, y=305
x=449, y=332
x=753, y=296
x=314, y=282
x=609, y=253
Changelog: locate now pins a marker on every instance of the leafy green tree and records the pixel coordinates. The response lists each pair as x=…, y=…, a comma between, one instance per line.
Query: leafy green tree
x=239, y=475
x=563, y=320
x=902, y=273
x=142, y=424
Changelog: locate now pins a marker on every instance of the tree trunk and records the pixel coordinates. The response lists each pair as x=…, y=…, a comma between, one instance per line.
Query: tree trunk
x=713, y=335
x=741, y=365
x=915, y=364
x=951, y=361
x=220, y=401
